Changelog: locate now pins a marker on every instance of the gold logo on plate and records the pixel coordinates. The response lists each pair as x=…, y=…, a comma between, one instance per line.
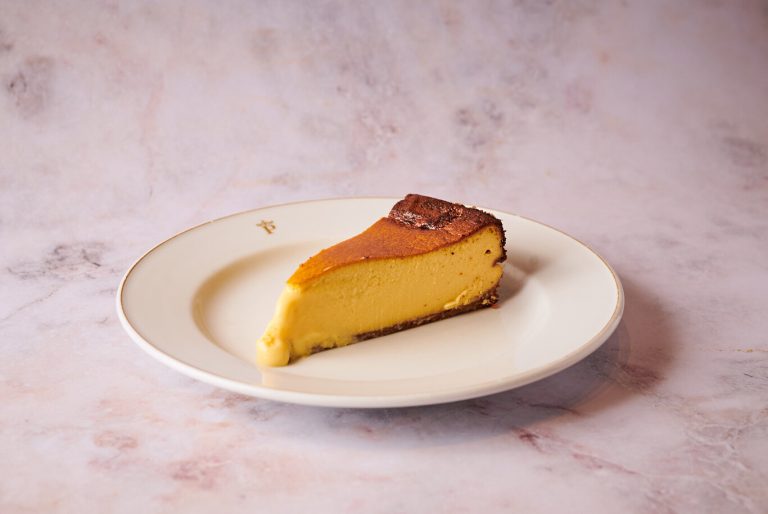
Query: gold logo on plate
x=267, y=225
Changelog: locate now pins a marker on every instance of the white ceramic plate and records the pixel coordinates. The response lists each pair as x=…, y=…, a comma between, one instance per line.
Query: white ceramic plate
x=199, y=301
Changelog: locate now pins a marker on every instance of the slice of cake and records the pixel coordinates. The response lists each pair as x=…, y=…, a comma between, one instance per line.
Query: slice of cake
x=428, y=260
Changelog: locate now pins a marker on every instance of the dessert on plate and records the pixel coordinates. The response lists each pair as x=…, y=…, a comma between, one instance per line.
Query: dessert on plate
x=429, y=259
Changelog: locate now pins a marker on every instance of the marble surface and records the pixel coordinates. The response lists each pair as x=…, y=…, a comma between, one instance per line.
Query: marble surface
x=638, y=127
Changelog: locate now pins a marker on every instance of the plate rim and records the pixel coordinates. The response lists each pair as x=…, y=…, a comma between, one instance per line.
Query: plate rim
x=368, y=401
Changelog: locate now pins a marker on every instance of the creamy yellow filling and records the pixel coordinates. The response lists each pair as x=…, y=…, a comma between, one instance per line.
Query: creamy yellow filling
x=371, y=295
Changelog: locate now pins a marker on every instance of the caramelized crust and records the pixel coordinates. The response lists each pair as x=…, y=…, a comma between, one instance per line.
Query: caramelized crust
x=415, y=225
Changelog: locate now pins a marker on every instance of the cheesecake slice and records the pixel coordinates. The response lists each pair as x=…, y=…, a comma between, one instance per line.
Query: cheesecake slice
x=427, y=260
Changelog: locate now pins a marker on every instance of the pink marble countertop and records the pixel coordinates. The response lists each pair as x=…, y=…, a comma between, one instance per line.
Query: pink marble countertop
x=640, y=128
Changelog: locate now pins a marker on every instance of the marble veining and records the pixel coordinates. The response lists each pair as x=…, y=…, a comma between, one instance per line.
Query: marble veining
x=638, y=127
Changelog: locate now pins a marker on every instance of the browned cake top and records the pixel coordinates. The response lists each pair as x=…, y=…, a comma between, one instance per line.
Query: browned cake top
x=415, y=225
